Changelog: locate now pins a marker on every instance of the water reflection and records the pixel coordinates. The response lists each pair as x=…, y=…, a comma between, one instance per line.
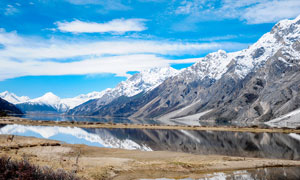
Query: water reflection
x=267, y=145
x=286, y=173
x=60, y=117
x=73, y=136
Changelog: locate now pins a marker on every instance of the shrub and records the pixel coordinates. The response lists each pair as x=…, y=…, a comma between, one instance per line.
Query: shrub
x=10, y=169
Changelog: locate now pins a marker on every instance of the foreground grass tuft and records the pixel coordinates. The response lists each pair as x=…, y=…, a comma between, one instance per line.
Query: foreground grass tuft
x=10, y=169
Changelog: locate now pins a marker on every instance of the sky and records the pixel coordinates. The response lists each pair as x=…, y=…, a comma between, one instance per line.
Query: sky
x=72, y=47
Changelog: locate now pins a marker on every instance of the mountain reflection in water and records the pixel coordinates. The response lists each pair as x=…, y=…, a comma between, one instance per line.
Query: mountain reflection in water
x=266, y=145
x=286, y=173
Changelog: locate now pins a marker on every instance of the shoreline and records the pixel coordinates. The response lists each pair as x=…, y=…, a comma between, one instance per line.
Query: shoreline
x=108, y=163
x=255, y=129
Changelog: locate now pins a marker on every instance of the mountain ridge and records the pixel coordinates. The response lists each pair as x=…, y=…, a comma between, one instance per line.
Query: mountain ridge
x=8, y=108
x=50, y=103
x=230, y=85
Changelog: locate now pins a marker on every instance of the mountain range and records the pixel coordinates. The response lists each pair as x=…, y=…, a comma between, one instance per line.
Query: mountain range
x=259, y=83
x=50, y=103
x=255, y=84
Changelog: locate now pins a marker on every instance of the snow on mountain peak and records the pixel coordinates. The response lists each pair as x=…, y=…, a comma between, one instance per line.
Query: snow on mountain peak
x=211, y=66
x=48, y=98
x=284, y=34
x=12, y=98
x=214, y=65
x=50, y=95
x=145, y=80
x=73, y=102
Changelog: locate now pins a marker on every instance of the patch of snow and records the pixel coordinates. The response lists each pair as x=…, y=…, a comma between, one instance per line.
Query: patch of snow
x=295, y=136
x=291, y=120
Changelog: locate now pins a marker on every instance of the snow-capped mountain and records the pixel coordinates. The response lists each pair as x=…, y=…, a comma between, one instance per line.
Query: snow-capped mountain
x=144, y=81
x=140, y=82
x=255, y=84
x=50, y=99
x=49, y=102
x=12, y=98
x=75, y=101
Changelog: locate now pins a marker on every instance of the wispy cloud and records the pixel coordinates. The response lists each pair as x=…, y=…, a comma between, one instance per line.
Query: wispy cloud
x=251, y=11
x=10, y=10
x=114, y=26
x=107, y=5
x=21, y=56
x=272, y=11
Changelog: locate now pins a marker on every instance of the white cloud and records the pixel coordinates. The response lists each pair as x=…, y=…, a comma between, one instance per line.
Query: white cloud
x=116, y=25
x=107, y=5
x=9, y=38
x=23, y=56
x=272, y=11
x=252, y=11
x=118, y=65
x=24, y=49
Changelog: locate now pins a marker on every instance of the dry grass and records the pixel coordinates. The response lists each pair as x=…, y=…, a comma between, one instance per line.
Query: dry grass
x=11, y=169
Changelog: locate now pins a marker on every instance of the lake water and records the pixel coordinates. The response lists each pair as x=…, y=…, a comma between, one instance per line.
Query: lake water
x=284, y=173
x=242, y=144
x=245, y=144
x=57, y=117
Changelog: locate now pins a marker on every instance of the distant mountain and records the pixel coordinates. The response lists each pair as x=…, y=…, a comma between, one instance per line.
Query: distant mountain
x=139, y=83
x=50, y=103
x=8, y=108
x=259, y=83
x=75, y=101
x=12, y=98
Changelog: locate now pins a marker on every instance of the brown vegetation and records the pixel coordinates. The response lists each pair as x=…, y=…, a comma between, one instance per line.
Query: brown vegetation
x=22, y=169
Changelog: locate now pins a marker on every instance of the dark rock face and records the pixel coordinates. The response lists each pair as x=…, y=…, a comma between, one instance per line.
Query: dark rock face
x=34, y=108
x=8, y=108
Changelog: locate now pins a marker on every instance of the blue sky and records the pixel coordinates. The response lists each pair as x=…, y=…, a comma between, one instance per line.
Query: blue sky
x=70, y=47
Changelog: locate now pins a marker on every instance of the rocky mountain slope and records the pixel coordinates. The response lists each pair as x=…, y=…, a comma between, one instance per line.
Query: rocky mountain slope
x=139, y=83
x=256, y=84
x=8, y=108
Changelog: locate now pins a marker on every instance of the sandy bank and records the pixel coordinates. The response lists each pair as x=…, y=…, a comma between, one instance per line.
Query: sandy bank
x=15, y=120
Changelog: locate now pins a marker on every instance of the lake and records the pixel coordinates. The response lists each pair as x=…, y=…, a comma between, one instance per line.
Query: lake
x=245, y=144
x=57, y=117
x=286, y=173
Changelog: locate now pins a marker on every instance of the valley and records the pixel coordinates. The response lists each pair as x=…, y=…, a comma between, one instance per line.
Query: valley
x=229, y=115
